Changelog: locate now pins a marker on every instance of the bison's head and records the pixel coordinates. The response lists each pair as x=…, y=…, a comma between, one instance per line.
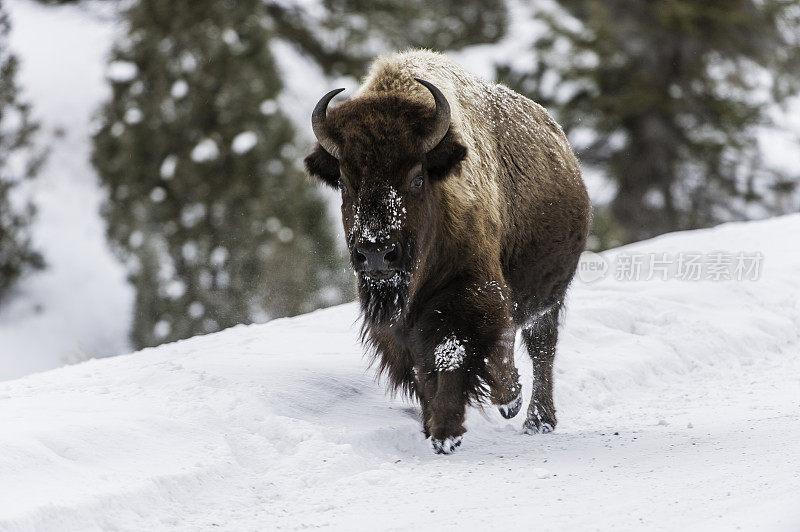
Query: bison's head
x=387, y=154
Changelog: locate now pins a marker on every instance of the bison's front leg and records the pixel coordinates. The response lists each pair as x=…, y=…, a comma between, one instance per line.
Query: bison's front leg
x=440, y=387
x=446, y=411
x=460, y=340
x=506, y=391
x=425, y=387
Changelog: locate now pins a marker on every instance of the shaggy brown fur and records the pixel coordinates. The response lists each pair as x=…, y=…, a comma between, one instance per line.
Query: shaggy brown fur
x=488, y=244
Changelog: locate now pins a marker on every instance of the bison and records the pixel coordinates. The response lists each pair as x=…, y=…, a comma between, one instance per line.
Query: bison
x=465, y=215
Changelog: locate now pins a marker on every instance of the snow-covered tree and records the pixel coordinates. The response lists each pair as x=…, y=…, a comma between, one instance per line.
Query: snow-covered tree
x=342, y=36
x=18, y=161
x=206, y=201
x=666, y=97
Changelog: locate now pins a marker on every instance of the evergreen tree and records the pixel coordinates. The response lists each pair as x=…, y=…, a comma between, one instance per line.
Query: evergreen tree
x=346, y=34
x=669, y=92
x=206, y=200
x=17, y=162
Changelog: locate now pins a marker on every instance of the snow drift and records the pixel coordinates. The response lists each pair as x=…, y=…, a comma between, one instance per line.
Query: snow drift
x=679, y=407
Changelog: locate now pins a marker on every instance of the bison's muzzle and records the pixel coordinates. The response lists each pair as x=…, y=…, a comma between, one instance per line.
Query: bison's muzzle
x=378, y=260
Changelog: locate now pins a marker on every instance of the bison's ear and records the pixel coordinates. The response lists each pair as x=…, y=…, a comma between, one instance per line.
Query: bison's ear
x=323, y=166
x=445, y=157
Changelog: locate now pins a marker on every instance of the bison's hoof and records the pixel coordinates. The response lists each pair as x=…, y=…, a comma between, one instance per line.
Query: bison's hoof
x=446, y=446
x=535, y=426
x=511, y=409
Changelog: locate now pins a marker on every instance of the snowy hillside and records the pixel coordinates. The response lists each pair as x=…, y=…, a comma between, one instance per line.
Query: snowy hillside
x=679, y=407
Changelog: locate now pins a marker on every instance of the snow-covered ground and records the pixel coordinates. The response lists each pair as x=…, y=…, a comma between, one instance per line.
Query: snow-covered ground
x=679, y=408
x=81, y=305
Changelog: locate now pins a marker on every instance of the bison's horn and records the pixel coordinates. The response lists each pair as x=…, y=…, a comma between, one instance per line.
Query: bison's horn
x=442, y=123
x=318, y=121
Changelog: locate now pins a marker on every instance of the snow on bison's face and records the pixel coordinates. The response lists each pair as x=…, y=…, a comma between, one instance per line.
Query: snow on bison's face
x=387, y=154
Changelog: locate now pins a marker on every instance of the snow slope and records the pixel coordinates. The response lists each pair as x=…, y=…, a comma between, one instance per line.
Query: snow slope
x=81, y=305
x=679, y=407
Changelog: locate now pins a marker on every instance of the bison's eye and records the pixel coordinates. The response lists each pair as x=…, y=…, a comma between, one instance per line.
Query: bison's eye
x=417, y=182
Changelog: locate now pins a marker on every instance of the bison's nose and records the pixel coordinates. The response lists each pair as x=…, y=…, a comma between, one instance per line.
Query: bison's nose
x=372, y=257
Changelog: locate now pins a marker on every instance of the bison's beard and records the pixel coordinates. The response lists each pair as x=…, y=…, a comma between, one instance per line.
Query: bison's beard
x=382, y=300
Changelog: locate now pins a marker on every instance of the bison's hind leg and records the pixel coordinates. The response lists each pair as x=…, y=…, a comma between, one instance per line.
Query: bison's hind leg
x=540, y=336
